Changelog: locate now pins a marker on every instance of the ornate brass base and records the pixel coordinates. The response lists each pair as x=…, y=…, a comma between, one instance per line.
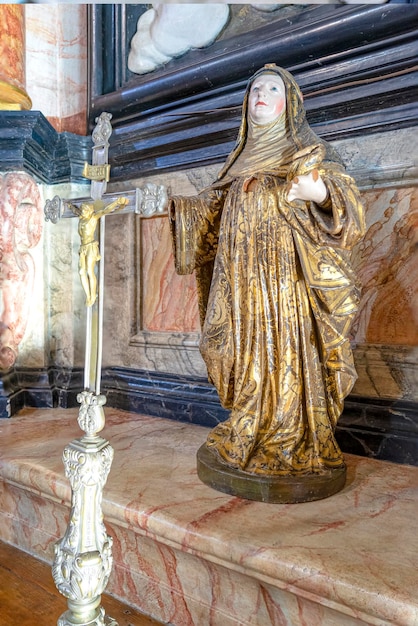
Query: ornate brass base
x=274, y=489
x=86, y=617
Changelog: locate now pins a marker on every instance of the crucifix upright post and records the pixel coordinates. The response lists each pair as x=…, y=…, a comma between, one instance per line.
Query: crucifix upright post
x=91, y=253
x=83, y=557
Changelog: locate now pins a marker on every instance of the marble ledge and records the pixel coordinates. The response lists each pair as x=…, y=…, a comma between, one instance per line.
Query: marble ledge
x=355, y=554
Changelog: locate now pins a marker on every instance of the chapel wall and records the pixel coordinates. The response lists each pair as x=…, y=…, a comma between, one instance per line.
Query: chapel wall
x=43, y=54
x=151, y=316
x=159, y=328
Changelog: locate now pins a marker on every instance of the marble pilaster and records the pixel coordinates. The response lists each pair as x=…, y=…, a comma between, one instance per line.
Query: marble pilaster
x=56, y=61
x=21, y=219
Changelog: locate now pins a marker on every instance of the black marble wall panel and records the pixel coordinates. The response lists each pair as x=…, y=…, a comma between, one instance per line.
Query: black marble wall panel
x=380, y=429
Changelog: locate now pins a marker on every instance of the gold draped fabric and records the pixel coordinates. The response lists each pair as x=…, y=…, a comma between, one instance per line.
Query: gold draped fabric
x=277, y=296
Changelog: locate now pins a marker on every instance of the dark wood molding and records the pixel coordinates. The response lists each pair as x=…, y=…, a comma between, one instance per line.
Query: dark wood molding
x=357, y=66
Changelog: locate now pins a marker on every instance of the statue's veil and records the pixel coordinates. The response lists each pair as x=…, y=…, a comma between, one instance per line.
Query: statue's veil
x=300, y=133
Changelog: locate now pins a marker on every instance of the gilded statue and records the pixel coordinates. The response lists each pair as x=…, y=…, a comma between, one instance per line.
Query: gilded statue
x=89, y=214
x=270, y=243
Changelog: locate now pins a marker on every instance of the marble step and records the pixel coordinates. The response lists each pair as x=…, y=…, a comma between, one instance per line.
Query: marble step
x=187, y=555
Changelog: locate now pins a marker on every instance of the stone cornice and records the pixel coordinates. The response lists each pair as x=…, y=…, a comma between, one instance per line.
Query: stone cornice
x=357, y=67
x=30, y=144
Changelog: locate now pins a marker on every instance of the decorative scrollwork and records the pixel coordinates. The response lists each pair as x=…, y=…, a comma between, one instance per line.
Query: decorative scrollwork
x=102, y=130
x=53, y=210
x=91, y=417
x=151, y=199
x=83, y=558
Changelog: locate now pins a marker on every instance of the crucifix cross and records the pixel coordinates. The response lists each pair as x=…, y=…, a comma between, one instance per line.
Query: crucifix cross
x=146, y=202
x=83, y=561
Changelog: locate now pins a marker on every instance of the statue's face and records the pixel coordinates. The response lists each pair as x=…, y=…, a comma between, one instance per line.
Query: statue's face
x=267, y=99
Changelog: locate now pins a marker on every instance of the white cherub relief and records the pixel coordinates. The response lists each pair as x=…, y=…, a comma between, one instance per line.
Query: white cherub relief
x=169, y=30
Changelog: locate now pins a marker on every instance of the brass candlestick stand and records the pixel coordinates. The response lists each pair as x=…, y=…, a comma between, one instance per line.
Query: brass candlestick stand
x=83, y=557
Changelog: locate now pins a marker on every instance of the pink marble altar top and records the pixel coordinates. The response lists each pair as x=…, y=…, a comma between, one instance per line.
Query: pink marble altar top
x=356, y=552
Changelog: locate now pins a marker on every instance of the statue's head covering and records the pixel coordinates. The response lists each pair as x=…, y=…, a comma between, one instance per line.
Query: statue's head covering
x=299, y=133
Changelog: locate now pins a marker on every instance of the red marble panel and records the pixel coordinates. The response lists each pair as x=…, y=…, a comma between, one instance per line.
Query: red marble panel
x=387, y=265
x=169, y=301
x=21, y=220
x=12, y=69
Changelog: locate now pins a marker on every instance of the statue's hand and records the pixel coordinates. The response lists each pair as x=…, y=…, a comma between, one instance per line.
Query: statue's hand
x=309, y=187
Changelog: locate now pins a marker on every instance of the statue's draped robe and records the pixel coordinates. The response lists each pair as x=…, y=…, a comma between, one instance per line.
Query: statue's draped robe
x=277, y=296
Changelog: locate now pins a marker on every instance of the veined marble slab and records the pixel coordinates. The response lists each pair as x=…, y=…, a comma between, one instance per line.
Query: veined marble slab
x=56, y=63
x=189, y=555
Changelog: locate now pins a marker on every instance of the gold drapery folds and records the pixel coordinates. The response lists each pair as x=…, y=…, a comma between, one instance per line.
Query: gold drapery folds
x=277, y=294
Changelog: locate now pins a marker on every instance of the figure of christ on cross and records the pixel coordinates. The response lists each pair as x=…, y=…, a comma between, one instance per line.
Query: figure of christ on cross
x=89, y=214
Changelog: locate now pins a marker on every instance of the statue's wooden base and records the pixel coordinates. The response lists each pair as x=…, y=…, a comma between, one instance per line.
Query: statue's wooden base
x=274, y=489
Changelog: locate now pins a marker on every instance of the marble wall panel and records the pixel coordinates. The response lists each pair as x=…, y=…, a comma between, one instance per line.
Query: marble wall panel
x=164, y=335
x=12, y=66
x=56, y=63
x=158, y=328
x=63, y=298
x=21, y=270
x=386, y=262
x=169, y=300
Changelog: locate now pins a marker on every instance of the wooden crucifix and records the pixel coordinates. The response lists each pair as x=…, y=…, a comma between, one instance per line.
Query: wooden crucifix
x=83, y=557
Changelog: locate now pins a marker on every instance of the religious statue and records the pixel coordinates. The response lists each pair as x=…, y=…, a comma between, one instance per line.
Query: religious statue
x=89, y=216
x=269, y=242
